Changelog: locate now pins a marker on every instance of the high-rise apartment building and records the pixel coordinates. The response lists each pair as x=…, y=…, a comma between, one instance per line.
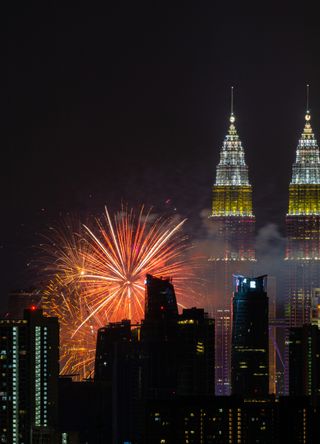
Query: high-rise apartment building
x=29, y=369
x=233, y=249
x=250, y=338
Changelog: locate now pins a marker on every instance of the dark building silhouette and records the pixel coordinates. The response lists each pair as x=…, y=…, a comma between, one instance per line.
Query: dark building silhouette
x=304, y=361
x=250, y=351
x=117, y=371
x=166, y=357
x=29, y=369
x=159, y=337
x=84, y=412
x=178, y=349
x=160, y=301
x=109, y=339
x=195, y=353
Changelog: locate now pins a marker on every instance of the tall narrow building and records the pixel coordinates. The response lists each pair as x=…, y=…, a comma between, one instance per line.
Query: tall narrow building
x=29, y=369
x=250, y=337
x=233, y=248
x=303, y=229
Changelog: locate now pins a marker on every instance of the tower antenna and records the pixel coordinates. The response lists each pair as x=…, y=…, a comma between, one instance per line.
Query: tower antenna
x=308, y=88
x=231, y=100
x=232, y=118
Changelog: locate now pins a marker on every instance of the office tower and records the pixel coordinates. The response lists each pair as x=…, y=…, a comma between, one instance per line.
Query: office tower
x=160, y=301
x=29, y=369
x=109, y=340
x=117, y=371
x=159, y=335
x=195, y=353
x=304, y=361
x=303, y=228
x=233, y=247
x=250, y=337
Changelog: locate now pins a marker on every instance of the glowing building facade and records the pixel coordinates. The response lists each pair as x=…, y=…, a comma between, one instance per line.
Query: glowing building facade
x=233, y=248
x=303, y=229
x=29, y=369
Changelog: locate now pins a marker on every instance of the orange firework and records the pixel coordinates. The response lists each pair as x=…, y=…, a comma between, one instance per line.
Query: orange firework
x=99, y=274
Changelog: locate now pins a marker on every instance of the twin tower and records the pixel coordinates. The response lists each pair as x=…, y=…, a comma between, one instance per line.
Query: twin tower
x=234, y=251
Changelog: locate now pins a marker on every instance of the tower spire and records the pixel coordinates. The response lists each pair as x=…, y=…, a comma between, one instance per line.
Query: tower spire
x=308, y=115
x=232, y=118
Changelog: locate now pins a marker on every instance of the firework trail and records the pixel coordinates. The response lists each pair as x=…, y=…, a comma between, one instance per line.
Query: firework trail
x=98, y=274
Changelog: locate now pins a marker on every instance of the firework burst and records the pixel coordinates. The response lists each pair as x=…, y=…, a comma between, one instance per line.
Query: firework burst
x=99, y=272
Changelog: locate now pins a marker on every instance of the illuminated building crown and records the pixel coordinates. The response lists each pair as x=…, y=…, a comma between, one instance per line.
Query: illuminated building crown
x=306, y=169
x=304, y=190
x=232, y=169
x=232, y=194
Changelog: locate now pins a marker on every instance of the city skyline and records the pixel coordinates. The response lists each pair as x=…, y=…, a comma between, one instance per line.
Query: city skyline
x=160, y=229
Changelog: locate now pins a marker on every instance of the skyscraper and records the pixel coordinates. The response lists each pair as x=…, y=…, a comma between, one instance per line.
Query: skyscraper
x=109, y=339
x=29, y=369
x=303, y=228
x=159, y=335
x=233, y=249
x=195, y=353
x=116, y=372
x=250, y=338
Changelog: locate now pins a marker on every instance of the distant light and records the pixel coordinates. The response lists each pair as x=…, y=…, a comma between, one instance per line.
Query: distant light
x=252, y=284
x=33, y=307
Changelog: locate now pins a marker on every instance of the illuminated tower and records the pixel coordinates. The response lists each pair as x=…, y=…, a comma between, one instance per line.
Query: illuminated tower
x=303, y=228
x=29, y=369
x=233, y=248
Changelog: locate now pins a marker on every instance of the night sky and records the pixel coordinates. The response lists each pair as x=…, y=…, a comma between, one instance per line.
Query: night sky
x=131, y=103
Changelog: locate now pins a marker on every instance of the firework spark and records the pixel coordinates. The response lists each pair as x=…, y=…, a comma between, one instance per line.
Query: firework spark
x=99, y=272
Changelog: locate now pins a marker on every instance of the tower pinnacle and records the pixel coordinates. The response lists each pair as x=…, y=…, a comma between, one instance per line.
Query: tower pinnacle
x=308, y=89
x=304, y=190
x=232, y=117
